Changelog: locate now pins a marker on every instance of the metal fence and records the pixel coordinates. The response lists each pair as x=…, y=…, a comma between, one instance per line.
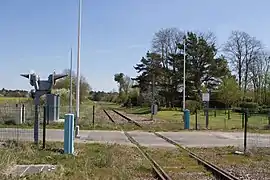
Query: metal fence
x=226, y=119
x=16, y=120
x=255, y=125
x=252, y=128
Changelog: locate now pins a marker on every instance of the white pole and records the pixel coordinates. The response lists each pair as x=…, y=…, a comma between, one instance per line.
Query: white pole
x=78, y=73
x=184, y=78
x=70, y=88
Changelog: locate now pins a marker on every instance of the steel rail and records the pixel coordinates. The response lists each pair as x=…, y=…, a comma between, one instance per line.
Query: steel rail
x=222, y=174
x=127, y=118
x=156, y=167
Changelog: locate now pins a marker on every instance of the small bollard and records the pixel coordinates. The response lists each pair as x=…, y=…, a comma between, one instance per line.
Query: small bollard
x=229, y=114
x=77, y=132
x=69, y=134
x=186, y=119
x=245, y=131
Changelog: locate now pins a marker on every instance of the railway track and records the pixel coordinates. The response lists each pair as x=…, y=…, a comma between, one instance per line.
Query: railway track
x=218, y=172
x=159, y=172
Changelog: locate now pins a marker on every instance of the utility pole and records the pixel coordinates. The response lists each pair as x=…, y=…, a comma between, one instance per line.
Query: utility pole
x=70, y=86
x=78, y=74
x=184, y=78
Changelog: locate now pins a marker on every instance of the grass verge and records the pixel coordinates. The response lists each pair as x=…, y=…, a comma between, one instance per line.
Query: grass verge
x=97, y=161
x=93, y=161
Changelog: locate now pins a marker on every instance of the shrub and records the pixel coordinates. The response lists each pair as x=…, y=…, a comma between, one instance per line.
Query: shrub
x=251, y=106
x=192, y=105
x=237, y=109
x=264, y=110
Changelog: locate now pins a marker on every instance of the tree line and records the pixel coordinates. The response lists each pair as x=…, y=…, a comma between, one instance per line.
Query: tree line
x=235, y=73
x=13, y=93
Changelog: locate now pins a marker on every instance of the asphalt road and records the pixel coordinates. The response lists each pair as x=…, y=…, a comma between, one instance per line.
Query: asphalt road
x=185, y=138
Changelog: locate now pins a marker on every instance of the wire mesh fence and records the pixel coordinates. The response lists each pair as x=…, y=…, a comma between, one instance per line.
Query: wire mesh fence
x=226, y=119
x=252, y=128
x=16, y=120
x=255, y=126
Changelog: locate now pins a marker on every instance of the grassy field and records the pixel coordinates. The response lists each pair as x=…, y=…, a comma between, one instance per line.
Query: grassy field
x=218, y=119
x=12, y=100
x=103, y=161
x=96, y=161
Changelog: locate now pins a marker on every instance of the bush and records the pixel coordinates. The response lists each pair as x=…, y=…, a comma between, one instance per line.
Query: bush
x=263, y=110
x=192, y=105
x=251, y=106
x=237, y=109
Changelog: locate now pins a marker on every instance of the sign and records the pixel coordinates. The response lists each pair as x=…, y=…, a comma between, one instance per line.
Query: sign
x=205, y=97
x=205, y=104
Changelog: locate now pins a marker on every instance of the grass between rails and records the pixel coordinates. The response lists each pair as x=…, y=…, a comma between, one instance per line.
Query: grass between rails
x=178, y=164
x=94, y=161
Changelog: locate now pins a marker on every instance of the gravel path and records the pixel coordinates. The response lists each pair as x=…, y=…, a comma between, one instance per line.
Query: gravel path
x=117, y=119
x=254, y=166
x=138, y=118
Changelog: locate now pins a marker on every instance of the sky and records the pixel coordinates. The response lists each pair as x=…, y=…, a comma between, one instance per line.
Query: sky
x=38, y=34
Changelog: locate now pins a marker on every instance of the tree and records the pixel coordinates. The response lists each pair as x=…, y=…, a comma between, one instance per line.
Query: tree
x=165, y=64
x=165, y=43
x=63, y=94
x=203, y=68
x=241, y=49
x=119, y=78
x=64, y=83
x=228, y=91
x=150, y=71
x=127, y=84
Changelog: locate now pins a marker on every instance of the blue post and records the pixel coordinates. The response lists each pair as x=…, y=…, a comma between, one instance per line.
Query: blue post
x=186, y=119
x=69, y=134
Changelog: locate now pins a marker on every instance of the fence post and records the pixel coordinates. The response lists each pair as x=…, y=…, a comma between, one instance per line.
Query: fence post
x=215, y=112
x=207, y=118
x=196, y=119
x=269, y=117
x=47, y=114
x=93, y=115
x=18, y=112
x=243, y=119
x=44, y=126
x=23, y=113
x=245, y=132
x=36, y=124
x=229, y=114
